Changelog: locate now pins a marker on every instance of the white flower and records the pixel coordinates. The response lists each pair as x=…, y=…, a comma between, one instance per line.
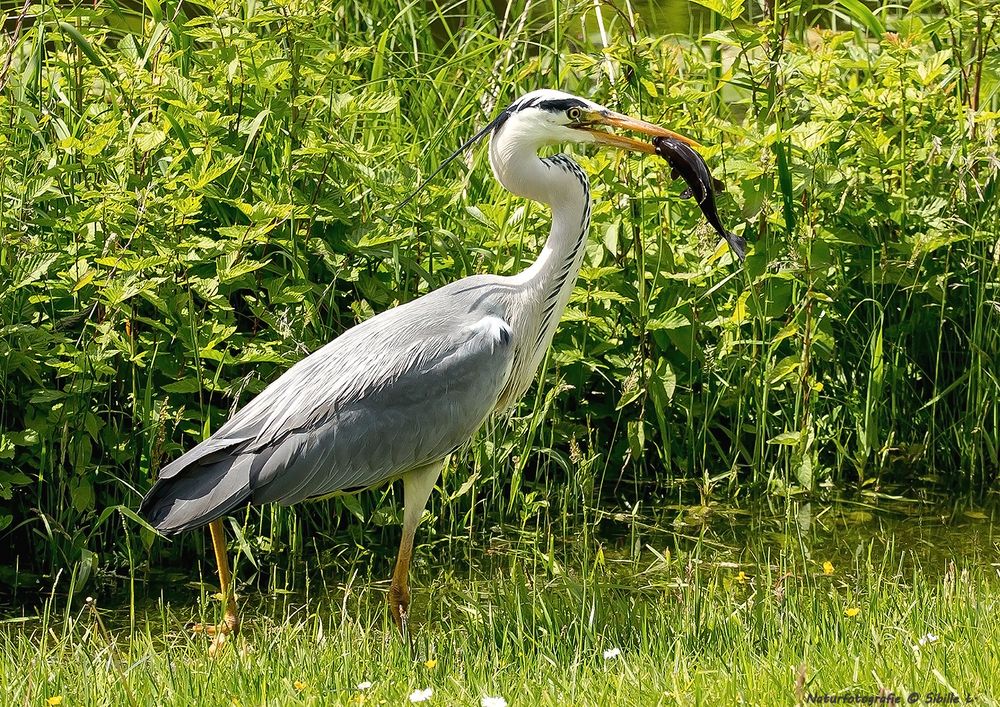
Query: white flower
x=612, y=653
x=493, y=702
x=929, y=638
x=364, y=685
x=421, y=695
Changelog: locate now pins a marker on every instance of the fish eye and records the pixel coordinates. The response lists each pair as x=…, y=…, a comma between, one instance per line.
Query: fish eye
x=574, y=114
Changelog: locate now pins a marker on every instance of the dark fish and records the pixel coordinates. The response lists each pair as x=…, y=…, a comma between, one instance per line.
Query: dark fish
x=688, y=164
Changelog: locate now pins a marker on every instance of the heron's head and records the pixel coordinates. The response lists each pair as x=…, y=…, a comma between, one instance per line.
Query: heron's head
x=547, y=117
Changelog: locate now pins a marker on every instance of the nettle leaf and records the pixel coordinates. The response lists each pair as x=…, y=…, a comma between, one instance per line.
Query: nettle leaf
x=232, y=269
x=589, y=273
x=117, y=292
x=10, y=479
x=581, y=294
x=193, y=385
x=148, y=138
x=207, y=170
x=6, y=447
x=32, y=269
x=208, y=289
x=673, y=320
x=133, y=264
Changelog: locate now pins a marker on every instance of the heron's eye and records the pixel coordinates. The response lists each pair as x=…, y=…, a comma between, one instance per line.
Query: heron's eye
x=574, y=114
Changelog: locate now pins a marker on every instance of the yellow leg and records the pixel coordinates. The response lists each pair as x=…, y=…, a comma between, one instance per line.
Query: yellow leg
x=417, y=487
x=230, y=619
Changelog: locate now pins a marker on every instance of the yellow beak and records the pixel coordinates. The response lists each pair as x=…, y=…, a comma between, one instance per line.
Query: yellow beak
x=617, y=120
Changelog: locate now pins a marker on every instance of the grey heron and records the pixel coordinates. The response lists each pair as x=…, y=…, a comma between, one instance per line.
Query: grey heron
x=394, y=396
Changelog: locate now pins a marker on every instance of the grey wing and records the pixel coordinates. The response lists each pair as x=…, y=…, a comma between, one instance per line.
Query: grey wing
x=404, y=389
x=430, y=408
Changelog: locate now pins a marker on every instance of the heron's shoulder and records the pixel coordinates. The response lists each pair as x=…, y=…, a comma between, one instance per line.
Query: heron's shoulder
x=445, y=314
x=474, y=287
x=463, y=301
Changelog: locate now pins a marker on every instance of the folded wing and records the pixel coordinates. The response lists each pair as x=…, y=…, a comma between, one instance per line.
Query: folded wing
x=401, y=390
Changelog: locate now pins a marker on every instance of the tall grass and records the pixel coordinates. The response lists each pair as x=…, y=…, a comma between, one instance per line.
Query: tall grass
x=196, y=195
x=770, y=627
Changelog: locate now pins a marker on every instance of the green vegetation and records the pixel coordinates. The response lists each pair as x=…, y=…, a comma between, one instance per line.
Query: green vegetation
x=195, y=195
x=765, y=624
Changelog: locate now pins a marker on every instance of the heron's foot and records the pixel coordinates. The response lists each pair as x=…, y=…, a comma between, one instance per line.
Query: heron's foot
x=399, y=605
x=220, y=633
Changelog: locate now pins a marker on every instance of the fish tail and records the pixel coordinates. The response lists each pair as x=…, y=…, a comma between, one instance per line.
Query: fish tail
x=738, y=244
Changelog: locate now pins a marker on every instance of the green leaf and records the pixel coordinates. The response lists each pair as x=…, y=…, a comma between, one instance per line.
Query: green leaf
x=6, y=447
x=82, y=495
x=351, y=503
x=85, y=46
x=784, y=369
x=465, y=487
x=242, y=542
x=861, y=14
x=789, y=439
x=34, y=268
x=205, y=175
x=155, y=9
x=185, y=385
x=785, y=181
x=630, y=397
x=149, y=139
x=730, y=9
x=672, y=320
x=804, y=473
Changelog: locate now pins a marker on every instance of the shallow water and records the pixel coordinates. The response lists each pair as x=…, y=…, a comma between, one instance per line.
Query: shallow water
x=798, y=536
x=640, y=551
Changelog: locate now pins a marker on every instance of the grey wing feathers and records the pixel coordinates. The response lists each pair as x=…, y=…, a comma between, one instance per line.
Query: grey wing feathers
x=403, y=389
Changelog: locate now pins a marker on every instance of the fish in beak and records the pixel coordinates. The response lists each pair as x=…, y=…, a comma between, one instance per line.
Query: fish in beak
x=678, y=151
x=689, y=165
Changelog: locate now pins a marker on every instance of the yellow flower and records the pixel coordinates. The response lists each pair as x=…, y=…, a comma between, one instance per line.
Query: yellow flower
x=299, y=685
x=827, y=567
x=54, y=700
x=234, y=702
x=741, y=577
x=360, y=699
x=431, y=663
x=853, y=611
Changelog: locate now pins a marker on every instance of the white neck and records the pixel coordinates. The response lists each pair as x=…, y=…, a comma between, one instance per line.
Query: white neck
x=543, y=289
x=563, y=186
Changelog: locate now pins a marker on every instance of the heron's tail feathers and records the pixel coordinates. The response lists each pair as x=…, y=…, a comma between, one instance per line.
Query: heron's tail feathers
x=196, y=491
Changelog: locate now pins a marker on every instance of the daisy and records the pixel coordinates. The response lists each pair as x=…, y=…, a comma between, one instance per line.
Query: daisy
x=421, y=695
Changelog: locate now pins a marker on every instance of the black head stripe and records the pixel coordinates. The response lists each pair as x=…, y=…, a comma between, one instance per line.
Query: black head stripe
x=553, y=105
x=557, y=105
